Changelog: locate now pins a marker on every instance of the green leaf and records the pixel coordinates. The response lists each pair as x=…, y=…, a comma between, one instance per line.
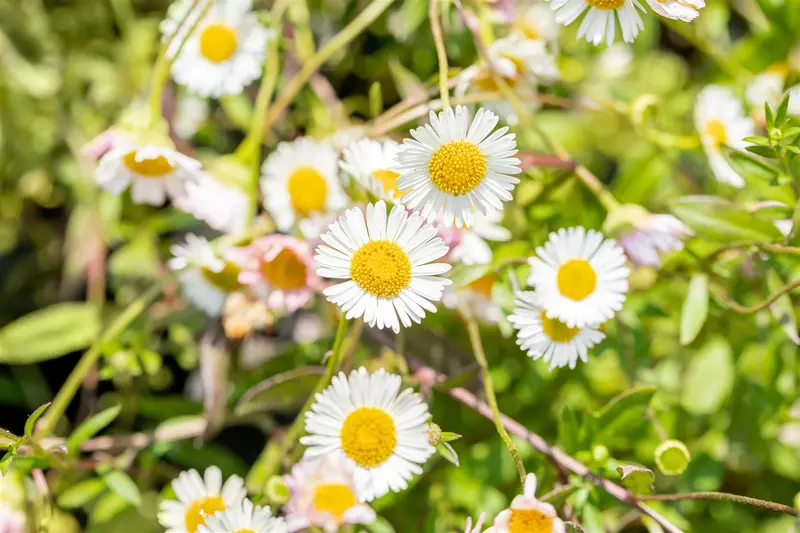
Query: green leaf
x=406, y=82
x=449, y=436
x=49, y=333
x=783, y=108
x=636, y=398
x=770, y=118
x=81, y=493
x=695, y=308
x=708, y=380
x=463, y=275
x=783, y=310
x=638, y=479
x=90, y=427
x=574, y=528
x=375, y=99
x=107, y=507
x=719, y=220
x=763, y=151
x=123, y=485
x=4, y=433
x=284, y=391
x=238, y=108
x=672, y=457
x=748, y=166
x=30, y=424
x=447, y=451
x=569, y=431
x=558, y=495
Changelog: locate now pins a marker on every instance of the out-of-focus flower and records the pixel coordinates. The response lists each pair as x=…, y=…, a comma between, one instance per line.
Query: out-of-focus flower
x=548, y=338
x=225, y=52
x=190, y=113
x=371, y=162
x=719, y=118
x=308, y=328
x=205, y=276
x=153, y=172
x=685, y=10
x=652, y=236
x=244, y=518
x=600, y=22
x=280, y=268
x=385, y=264
x=105, y=142
x=222, y=206
x=244, y=313
x=536, y=21
x=794, y=100
x=767, y=87
x=301, y=179
x=614, y=62
x=452, y=168
x=11, y=520
x=477, y=296
x=529, y=514
x=468, y=245
x=478, y=525
x=323, y=494
x=580, y=278
x=198, y=499
x=366, y=418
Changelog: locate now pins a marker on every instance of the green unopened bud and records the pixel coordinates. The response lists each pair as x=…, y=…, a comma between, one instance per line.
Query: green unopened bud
x=643, y=109
x=672, y=457
x=434, y=435
x=277, y=491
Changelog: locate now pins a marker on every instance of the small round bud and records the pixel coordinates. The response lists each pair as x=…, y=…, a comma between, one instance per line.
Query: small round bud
x=434, y=435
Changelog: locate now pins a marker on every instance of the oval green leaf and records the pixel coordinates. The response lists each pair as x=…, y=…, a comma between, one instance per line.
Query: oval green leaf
x=719, y=220
x=91, y=427
x=123, y=485
x=695, y=308
x=81, y=493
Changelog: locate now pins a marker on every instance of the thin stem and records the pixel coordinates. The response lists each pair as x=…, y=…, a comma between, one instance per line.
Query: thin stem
x=269, y=461
x=441, y=52
x=90, y=357
x=739, y=308
x=721, y=496
x=339, y=41
x=488, y=385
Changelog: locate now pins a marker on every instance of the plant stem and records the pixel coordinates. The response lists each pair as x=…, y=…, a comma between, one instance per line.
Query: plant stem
x=739, y=308
x=488, y=385
x=269, y=461
x=721, y=496
x=90, y=357
x=441, y=52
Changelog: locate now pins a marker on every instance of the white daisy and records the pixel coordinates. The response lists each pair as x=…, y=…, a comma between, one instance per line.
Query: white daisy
x=767, y=87
x=323, y=493
x=528, y=514
x=685, y=10
x=580, y=278
x=387, y=265
x=548, y=338
x=300, y=179
x=451, y=168
x=477, y=296
x=244, y=518
x=153, y=171
x=382, y=430
x=205, y=276
x=537, y=22
x=226, y=51
x=371, y=163
x=198, y=499
x=222, y=206
x=600, y=21
x=469, y=246
x=719, y=118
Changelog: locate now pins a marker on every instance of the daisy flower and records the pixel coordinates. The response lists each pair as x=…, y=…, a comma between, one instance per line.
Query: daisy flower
x=477, y=295
x=655, y=235
x=528, y=514
x=11, y=520
x=685, y=10
x=600, y=21
x=383, y=431
x=198, y=499
x=387, y=265
x=205, y=276
x=767, y=87
x=478, y=525
x=104, y=143
x=243, y=313
x=549, y=338
x=323, y=494
x=719, y=118
x=451, y=168
x=537, y=22
x=223, y=207
x=281, y=267
x=153, y=172
x=244, y=518
x=225, y=52
x=580, y=278
x=300, y=179
x=370, y=162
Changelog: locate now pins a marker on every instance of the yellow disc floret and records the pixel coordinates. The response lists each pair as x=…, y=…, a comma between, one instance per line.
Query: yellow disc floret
x=368, y=436
x=717, y=131
x=334, y=498
x=387, y=178
x=576, y=279
x=153, y=167
x=226, y=279
x=218, y=42
x=381, y=268
x=307, y=190
x=286, y=271
x=556, y=330
x=529, y=521
x=606, y=5
x=457, y=167
x=200, y=509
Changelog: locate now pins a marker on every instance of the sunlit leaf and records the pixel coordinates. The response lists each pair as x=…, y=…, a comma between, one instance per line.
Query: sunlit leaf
x=30, y=424
x=720, y=220
x=708, y=379
x=695, y=308
x=81, y=493
x=122, y=484
x=637, y=479
x=91, y=427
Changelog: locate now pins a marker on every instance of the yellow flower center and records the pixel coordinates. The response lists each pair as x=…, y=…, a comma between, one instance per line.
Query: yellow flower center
x=606, y=5
x=218, y=42
x=483, y=285
x=556, y=330
x=307, y=190
x=716, y=130
x=199, y=510
x=576, y=279
x=387, y=178
x=529, y=521
x=457, y=167
x=244, y=531
x=381, y=268
x=286, y=271
x=226, y=279
x=334, y=498
x=368, y=436
x=156, y=167
x=529, y=30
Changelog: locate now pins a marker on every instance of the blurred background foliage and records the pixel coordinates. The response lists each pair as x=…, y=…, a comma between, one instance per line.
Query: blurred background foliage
x=69, y=68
